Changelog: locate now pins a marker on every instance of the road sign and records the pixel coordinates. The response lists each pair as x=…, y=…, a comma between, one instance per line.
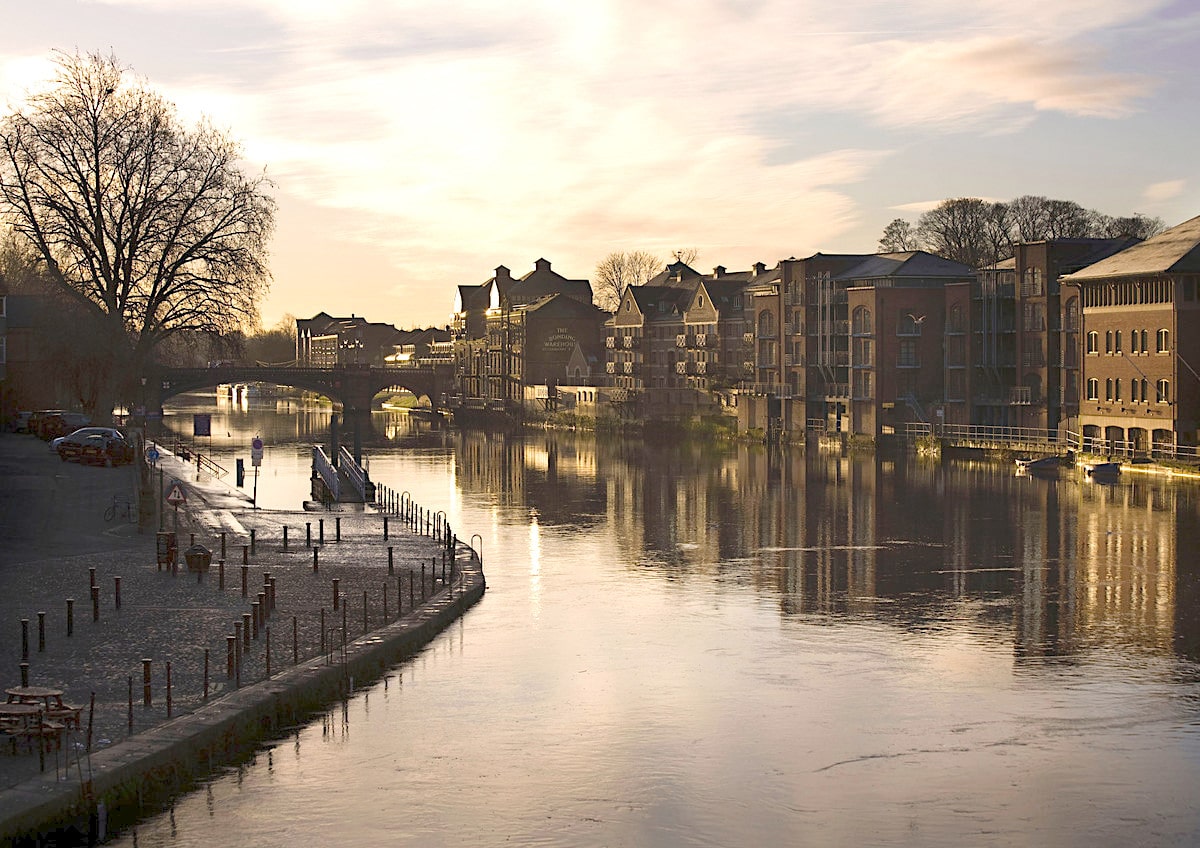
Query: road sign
x=152, y=454
x=176, y=497
x=256, y=451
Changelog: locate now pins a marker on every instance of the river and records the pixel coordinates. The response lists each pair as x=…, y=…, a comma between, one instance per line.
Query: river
x=684, y=645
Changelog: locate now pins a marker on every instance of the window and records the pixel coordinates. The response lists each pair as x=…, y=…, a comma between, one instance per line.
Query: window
x=1145, y=341
x=3, y=305
x=862, y=384
x=1117, y=389
x=1093, y=389
x=1145, y=391
x=862, y=353
x=908, y=354
x=910, y=325
x=1162, y=390
x=1072, y=316
x=1093, y=342
x=861, y=321
x=1133, y=343
x=1108, y=389
x=1117, y=342
x=955, y=323
x=1133, y=391
x=1108, y=342
x=1164, y=341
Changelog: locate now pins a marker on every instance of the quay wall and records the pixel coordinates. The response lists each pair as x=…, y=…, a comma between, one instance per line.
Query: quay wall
x=152, y=765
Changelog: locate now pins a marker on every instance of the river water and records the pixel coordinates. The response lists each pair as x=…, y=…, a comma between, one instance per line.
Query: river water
x=684, y=645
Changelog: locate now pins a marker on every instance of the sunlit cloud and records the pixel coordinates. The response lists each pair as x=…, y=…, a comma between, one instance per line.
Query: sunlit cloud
x=1158, y=192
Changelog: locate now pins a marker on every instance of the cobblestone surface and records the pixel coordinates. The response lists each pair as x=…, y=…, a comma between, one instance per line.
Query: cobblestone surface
x=53, y=533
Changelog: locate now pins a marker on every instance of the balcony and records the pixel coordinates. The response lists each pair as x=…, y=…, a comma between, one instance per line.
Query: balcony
x=701, y=340
x=628, y=368
x=681, y=340
x=748, y=338
x=610, y=367
x=610, y=342
x=681, y=368
x=699, y=367
x=627, y=341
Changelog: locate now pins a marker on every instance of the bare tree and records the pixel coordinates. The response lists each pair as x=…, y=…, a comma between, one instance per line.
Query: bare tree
x=898, y=237
x=147, y=224
x=618, y=271
x=1136, y=225
x=963, y=229
x=686, y=255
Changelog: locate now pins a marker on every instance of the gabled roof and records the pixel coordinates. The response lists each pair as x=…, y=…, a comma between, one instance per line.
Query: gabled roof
x=649, y=297
x=562, y=302
x=675, y=274
x=542, y=281
x=1173, y=251
x=911, y=264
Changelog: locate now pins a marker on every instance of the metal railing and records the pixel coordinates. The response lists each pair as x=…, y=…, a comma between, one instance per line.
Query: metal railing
x=353, y=471
x=323, y=467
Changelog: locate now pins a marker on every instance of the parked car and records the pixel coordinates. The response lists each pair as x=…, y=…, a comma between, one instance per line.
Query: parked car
x=102, y=445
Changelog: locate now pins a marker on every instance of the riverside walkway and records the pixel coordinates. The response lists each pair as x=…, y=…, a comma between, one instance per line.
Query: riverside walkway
x=146, y=653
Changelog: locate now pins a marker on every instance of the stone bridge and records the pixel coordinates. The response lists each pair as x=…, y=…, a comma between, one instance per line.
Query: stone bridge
x=353, y=386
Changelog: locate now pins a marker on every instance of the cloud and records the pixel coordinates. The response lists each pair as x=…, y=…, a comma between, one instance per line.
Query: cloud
x=1159, y=192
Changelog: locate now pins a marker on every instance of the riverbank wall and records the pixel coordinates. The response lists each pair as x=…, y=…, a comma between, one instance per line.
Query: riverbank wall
x=123, y=781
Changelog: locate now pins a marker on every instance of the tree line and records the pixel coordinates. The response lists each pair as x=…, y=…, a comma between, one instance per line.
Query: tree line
x=979, y=232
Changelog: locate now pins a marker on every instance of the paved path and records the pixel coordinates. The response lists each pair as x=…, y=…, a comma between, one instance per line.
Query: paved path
x=53, y=532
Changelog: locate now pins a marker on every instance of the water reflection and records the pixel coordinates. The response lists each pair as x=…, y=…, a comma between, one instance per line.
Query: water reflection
x=715, y=644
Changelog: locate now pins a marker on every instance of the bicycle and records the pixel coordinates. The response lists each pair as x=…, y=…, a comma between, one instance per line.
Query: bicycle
x=121, y=506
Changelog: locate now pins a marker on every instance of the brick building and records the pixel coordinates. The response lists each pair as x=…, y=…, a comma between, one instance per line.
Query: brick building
x=1140, y=314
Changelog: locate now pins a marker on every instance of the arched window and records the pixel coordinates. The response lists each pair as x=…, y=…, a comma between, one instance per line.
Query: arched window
x=910, y=324
x=1093, y=389
x=1163, y=391
x=1108, y=341
x=1164, y=341
x=861, y=321
x=1093, y=342
x=1117, y=345
x=1117, y=390
x=1145, y=341
x=1071, y=322
x=766, y=325
x=1108, y=389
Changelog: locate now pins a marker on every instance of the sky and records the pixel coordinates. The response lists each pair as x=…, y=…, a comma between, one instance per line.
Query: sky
x=416, y=145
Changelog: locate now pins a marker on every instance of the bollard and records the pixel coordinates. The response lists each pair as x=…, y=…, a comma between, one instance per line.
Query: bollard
x=206, y=674
x=285, y=537
x=117, y=592
x=255, y=612
x=308, y=534
x=221, y=574
x=320, y=531
x=24, y=638
x=337, y=525
x=191, y=539
x=245, y=574
x=237, y=653
x=391, y=566
x=95, y=603
x=246, y=628
x=252, y=545
x=315, y=560
x=168, y=688
x=41, y=632
x=263, y=611
x=336, y=582
x=70, y=616
x=145, y=682
x=272, y=593
x=245, y=554
x=229, y=640
x=385, y=529
x=92, y=577
x=24, y=674
x=222, y=544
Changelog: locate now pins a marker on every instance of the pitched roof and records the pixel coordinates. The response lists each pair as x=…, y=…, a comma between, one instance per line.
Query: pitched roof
x=911, y=263
x=1173, y=251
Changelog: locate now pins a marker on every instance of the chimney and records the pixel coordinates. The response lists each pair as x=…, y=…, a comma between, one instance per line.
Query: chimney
x=719, y=271
x=503, y=273
x=759, y=268
x=542, y=265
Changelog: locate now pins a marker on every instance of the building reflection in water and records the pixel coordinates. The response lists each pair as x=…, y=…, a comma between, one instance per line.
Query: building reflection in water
x=1053, y=566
